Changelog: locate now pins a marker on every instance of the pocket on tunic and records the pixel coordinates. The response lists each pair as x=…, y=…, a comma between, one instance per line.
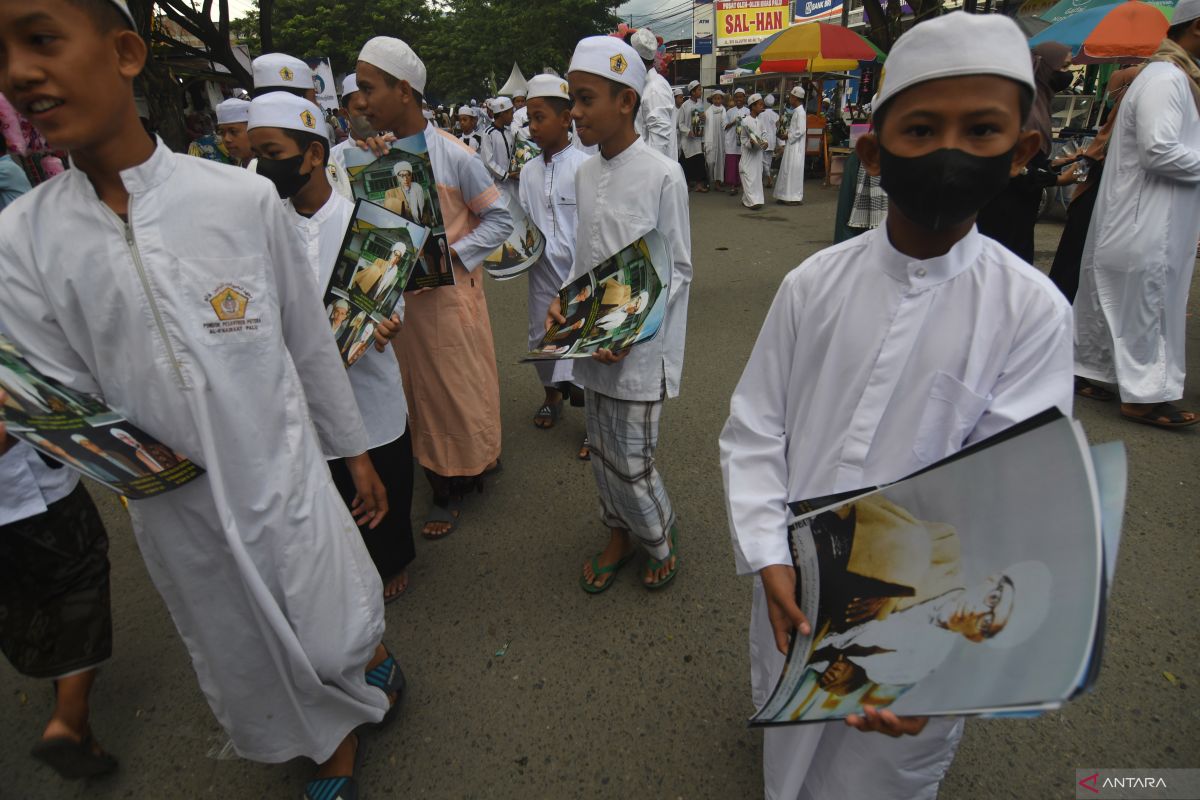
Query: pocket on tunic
x=565, y=196
x=950, y=415
x=224, y=301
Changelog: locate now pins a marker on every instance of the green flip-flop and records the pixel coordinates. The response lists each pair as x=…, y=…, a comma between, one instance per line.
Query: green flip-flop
x=598, y=570
x=654, y=565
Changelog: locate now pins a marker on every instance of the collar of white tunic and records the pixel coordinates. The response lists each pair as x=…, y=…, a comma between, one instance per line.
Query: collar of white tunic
x=152, y=172
x=331, y=204
x=930, y=272
x=626, y=155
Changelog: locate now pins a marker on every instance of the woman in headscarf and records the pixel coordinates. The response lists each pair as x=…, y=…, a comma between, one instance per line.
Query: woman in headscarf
x=1010, y=218
x=1065, y=271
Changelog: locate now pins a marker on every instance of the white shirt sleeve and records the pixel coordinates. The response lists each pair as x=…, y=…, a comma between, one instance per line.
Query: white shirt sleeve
x=754, y=443
x=495, y=221
x=1159, y=119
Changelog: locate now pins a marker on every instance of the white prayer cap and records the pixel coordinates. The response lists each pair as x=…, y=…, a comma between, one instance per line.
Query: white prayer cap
x=123, y=7
x=427, y=114
x=233, y=110
x=282, y=71
x=677, y=91
x=798, y=91
x=521, y=93
x=1031, y=581
x=501, y=104
x=645, y=43
x=1186, y=11
x=395, y=58
x=474, y=102
x=399, y=248
x=692, y=85
x=402, y=166
x=739, y=90
x=283, y=110
x=754, y=98
x=716, y=92
x=769, y=100
x=349, y=85
x=548, y=86
x=609, y=57
x=466, y=111
x=955, y=45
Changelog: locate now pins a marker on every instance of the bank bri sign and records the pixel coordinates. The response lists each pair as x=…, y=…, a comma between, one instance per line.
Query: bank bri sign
x=817, y=10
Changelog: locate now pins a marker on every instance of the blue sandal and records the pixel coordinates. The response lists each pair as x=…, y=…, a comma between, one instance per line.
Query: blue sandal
x=343, y=787
x=389, y=678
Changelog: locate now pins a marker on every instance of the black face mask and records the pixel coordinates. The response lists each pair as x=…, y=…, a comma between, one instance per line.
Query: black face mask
x=285, y=174
x=1059, y=81
x=942, y=189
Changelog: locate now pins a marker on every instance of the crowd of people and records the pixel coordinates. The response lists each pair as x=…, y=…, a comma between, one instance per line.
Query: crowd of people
x=276, y=564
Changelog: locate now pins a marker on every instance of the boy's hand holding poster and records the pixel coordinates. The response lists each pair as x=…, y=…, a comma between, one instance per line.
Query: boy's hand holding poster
x=85, y=434
x=976, y=586
x=616, y=305
x=402, y=181
x=376, y=262
x=520, y=251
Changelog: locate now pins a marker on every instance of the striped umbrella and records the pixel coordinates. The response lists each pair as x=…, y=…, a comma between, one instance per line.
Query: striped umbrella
x=1125, y=30
x=814, y=47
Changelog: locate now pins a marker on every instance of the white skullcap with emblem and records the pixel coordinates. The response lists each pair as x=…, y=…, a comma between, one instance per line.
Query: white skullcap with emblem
x=645, y=43
x=232, y=111
x=287, y=111
x=396, y=58
x=754, y=98
x=548, y=86
x=501, y=104
x=466, y=111
x=282, y=71
x=956, y=45
x=609, y=57
x=349, y=85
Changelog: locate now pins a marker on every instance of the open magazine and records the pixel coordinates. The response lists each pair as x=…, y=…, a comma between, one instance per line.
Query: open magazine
x=402, y=181
x=520, y=251
x=378, y=255
x=616, y=305
x=976, y=586
x=83, y=433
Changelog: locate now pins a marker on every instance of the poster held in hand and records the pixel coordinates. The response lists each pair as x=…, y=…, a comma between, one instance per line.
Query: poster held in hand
x=616, y=305
x=976, y=586
x=83, y=433
x=525, y=245
x=378, y=256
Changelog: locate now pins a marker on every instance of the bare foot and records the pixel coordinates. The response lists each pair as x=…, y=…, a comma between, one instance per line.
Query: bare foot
x=341, y=763
x=396, y=586
x=654, y=576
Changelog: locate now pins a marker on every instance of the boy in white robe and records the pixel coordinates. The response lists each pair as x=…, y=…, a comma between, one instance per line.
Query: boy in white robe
x=547, y=193
x=754, y=149
x=1131, y=308
x=789, y=189
x=258, y=560
x=691, y=144
x=623, y=193
x=884, y=354
x=497, y=149
x=231, y=127
x=733, y=147
x=714, y=139
x=769, y=122
x=656, y=113
x=356, y=110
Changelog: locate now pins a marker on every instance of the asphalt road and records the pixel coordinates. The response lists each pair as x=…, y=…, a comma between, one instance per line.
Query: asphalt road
x=522, y=686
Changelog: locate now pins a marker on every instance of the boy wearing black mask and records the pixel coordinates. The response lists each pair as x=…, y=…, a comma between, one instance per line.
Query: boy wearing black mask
x=886, y=353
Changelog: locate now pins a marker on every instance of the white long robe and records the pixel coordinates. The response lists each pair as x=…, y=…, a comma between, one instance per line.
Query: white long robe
x=1131, y=309
x=769, y=120
x=620, y=200
x=259, y=562
x=548, y=198
x=869, y=366
x=714, y=142
x=731, y=140
x=689, y=145
x=656, y=116
x=750, y=167
x=790, y=185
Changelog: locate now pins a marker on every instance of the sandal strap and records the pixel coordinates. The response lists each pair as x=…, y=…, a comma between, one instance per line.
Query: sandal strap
x=386, y=676
x=331, y=789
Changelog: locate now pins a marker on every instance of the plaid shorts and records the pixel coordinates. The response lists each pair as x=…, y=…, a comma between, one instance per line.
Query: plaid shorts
x=55, y=614
x=624, y=435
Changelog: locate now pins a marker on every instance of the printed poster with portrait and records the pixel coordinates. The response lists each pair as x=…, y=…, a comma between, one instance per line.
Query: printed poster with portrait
x=83, y=433
x=402, y=181
x=975, y=586
x=525, y=245
x=378, y=256
x=616, y=305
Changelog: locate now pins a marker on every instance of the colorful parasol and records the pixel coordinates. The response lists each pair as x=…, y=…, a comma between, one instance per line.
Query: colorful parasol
x=1117, y=32
x=814, y=47
x=1065, y=9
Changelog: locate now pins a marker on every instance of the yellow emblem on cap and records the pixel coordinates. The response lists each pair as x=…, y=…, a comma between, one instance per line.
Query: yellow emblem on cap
x=308, y=119
x=564, y=89
x=229, y=303
x=286, y=74
x=618, y=64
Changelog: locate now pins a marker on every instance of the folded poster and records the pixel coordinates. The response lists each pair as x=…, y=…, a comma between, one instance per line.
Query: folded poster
x=402, y=181
x=976, y=586
x=377, y=259
x=616, y=305
x=83, y=433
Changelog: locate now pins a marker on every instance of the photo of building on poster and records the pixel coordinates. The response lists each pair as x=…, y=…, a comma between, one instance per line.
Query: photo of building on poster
x=973, y=587
x=616, y=305
x=376, y=261
x=402, y=181
x=83, y=433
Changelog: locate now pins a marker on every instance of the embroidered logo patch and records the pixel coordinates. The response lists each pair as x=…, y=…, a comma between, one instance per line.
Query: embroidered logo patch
x=231, y=304
x=308, y=120
x=618, y=64
x=563, y=87
x=287, y=74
